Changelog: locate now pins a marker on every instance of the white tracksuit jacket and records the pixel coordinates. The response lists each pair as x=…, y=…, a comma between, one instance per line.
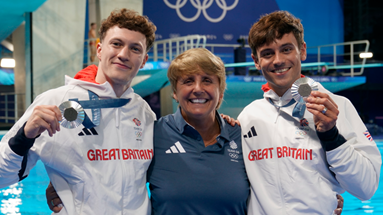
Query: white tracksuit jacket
x=101, y=172
x=290, y=172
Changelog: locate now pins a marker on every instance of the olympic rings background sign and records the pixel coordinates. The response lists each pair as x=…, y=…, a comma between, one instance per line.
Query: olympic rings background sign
x=222, y=21
x=202, y=7
x=225, y=21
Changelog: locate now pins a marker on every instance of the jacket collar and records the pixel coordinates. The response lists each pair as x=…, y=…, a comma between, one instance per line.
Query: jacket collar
x=86, y=78
x=269, y=94
x=87, y=74
x=185, y=128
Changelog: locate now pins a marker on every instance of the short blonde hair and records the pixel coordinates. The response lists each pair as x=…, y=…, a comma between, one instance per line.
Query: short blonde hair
x=194, y=60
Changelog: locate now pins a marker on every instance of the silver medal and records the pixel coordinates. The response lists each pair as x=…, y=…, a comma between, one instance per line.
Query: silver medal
x=72, y=114
x=302, y=88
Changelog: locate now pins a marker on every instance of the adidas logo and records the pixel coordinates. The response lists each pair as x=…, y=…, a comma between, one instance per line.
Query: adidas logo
x=251, y=133
x=177, y=148
x=86, y=131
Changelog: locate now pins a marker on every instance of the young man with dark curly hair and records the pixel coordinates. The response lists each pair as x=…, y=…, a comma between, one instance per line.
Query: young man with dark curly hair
x=299, y=155
x=100, y=166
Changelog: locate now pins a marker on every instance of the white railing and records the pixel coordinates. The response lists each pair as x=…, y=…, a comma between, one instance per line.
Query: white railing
x=171, y=48
x=7, y=107
x=352, y=53
x=212, y=46
x=165, y=50
x=168, y=49
x=319, y=49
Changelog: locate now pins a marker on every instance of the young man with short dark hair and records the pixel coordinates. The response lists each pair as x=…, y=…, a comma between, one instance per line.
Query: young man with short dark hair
x=298, y=160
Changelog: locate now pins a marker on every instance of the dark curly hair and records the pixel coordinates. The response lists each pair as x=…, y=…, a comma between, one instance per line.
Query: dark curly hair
x=273, y=26
x=131, y=20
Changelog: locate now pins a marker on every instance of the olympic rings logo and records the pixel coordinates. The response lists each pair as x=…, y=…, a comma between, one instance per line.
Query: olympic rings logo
x=205, y=5
x=302, y=133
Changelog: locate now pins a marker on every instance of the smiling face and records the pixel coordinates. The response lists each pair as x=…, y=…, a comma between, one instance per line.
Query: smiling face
x=198, y=95
x=121, y=54
x=280, y=62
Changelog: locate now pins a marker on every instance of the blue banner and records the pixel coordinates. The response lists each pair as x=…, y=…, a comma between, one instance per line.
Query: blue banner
x=225, y=21
x=222, y=21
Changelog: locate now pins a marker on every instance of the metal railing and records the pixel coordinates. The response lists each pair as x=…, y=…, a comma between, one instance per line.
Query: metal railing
x=332, y=64
x=168, y=49
x=8, y=105
x=171, y=48
x=212, y=46
x=352, y=53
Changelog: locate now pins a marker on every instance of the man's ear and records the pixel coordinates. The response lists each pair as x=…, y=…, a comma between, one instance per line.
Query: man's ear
x=99, y=47
x=144, y=61
x=256, y=61
x=303, y=51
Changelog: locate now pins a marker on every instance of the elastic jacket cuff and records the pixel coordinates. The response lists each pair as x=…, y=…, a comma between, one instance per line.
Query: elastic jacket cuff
x=331, y=139
x=20, y=144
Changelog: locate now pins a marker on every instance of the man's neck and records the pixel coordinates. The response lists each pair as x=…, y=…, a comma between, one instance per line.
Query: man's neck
x=280, y=92
x=118, y=89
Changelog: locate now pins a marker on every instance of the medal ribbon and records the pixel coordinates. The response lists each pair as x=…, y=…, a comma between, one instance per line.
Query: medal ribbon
x=299, y=109
x=96, y=104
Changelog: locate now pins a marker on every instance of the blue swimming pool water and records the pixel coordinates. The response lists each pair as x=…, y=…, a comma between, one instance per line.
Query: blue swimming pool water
x=353, y=206
x=28, y=196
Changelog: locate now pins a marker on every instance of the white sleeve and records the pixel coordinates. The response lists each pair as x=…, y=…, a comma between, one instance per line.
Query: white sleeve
x=10, y=165
x=357, y=162
x=14, y=165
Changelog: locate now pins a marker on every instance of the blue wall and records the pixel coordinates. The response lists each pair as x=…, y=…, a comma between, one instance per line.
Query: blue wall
x=322, y=20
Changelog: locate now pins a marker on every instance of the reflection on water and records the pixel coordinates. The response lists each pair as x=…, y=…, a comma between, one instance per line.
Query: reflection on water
x=353, y=206
x=11, y=200
x=27, y=196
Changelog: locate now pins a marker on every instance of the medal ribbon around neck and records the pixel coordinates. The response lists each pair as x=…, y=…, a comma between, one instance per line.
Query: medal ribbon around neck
x=300, y=90
x=299, y=109
x=73, y=110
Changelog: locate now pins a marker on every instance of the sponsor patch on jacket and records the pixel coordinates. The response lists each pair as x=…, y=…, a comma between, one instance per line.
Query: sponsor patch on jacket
x=233, y=152
x=137, y=122
x=176, y=148
x=304, y=122
x=251, y=133
x=368, y=135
